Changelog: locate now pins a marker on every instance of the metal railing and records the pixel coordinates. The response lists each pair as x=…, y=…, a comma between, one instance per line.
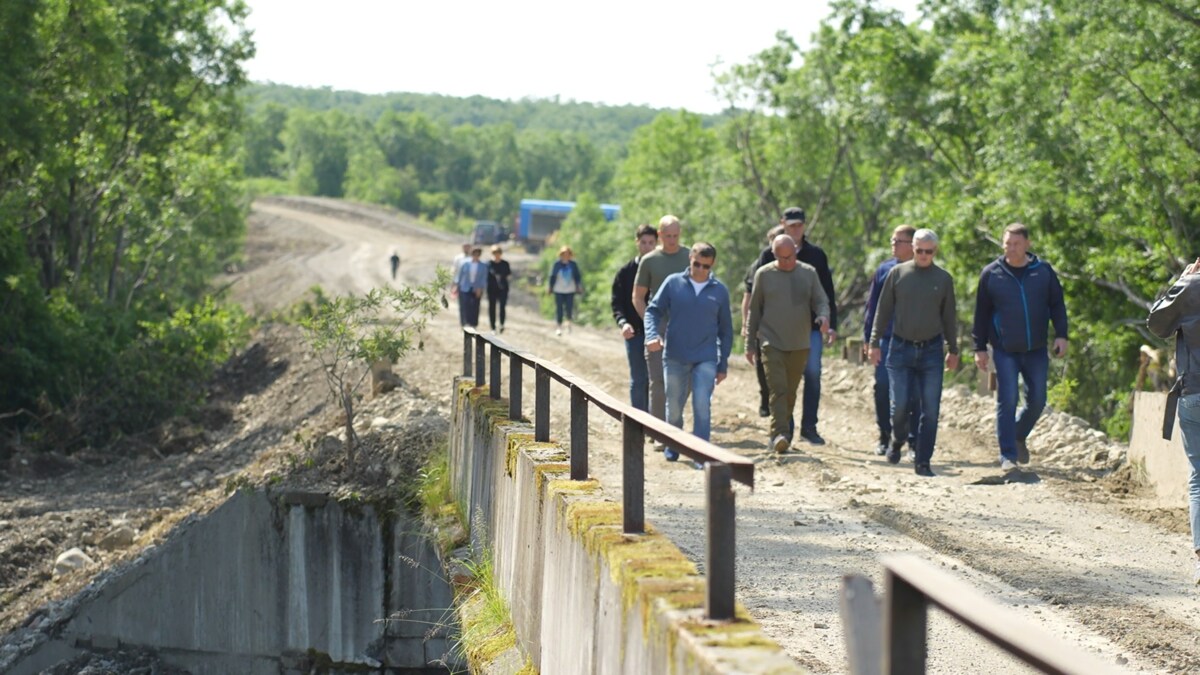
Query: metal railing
x=891, y=639
x=721, y=466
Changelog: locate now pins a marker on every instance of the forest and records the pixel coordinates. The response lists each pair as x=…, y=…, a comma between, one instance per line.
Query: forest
x=132, y=144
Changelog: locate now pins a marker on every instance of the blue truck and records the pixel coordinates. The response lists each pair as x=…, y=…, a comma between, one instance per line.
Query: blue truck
x=539, y=218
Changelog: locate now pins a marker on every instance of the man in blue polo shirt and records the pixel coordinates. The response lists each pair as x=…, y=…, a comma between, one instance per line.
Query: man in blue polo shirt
x=693, y=307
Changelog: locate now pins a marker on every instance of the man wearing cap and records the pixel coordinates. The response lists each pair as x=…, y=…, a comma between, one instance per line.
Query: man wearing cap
x=794, y=225
x=786, y=294
x=630, y=322
x=654, y=268
x=918, y=296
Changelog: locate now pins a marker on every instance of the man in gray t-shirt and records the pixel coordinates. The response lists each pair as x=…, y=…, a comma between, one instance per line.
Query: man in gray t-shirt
x=919, y=296
x=653, y=269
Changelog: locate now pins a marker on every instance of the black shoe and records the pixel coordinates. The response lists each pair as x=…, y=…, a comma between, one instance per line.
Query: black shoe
x=764, y=411
x=893, y=452
x=924, y=470
x=1022, y=453
x=812, y=437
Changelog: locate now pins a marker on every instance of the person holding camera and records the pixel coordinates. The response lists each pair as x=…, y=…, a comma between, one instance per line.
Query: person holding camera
x=1019, y=295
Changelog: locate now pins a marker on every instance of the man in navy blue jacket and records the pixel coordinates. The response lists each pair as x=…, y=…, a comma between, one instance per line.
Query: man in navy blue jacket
x=630, y=322
x=693, y=307
x=1019, y=295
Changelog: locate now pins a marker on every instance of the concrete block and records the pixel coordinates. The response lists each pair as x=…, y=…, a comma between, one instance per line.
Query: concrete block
x=1161, y=463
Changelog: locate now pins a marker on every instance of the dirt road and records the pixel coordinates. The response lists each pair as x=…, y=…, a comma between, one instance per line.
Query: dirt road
x=1078, y=554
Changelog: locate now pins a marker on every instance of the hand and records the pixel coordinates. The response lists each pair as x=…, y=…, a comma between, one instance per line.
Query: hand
x=1060, y=347
x=830, y=336
x=750, y=356
x=721, y=377
x=654, y=345
x=952, y=362
x=627, y=332
x=981, y=360
x=1194, y=268
x=874, y=356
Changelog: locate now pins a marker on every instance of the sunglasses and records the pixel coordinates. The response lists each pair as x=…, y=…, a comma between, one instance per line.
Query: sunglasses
x=925, y=251
x=697, y=263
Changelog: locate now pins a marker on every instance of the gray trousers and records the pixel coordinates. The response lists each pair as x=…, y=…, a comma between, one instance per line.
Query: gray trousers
x=658, y=389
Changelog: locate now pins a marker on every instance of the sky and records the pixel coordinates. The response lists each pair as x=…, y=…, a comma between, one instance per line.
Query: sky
x=660, y=53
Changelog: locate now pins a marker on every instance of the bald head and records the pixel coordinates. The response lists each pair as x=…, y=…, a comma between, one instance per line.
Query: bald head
x=784, y=249
x=668, y=233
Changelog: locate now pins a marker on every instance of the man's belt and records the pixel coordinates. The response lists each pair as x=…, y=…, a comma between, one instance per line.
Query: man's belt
x=937, y=339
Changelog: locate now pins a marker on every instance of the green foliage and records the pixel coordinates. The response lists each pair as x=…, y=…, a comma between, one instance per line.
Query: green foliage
x=350, y=333
x=119, y=199
x=487, y=628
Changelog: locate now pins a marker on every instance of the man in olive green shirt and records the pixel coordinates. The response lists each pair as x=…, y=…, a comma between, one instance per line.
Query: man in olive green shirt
x=654, y=267
x=786, y=295
x=919, y=295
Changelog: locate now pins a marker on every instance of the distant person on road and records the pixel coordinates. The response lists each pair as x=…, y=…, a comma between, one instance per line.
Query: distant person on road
x=1177, y=313
x=469, y=286
x=395, y=261
x=630, y=322
x=1019, y=295
x=787, y=294
x=653, y=269
x=693, y=307
x=902, y=251
x=497, y=288
x=794, y=225
x=919, y=297
x=565, y=282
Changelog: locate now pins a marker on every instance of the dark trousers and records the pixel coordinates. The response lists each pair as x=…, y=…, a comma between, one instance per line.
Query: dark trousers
x=496, y=300
x=468, y=309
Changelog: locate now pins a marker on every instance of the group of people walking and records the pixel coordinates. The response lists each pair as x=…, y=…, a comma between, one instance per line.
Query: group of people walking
x=472, y=278
x=674, y=316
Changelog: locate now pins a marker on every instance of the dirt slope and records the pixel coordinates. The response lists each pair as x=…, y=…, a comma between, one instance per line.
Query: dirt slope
x=1081, y=555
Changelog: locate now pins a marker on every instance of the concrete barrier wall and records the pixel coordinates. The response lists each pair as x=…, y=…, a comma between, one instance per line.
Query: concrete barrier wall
x=267, y=583
x=585, y=597
x=1160, y=463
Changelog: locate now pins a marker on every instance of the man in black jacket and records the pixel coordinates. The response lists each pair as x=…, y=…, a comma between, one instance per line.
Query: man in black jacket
x=630, y=322
x=794, y=225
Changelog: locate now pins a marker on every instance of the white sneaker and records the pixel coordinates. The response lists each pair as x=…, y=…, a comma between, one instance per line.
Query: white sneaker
x=1196, y=574
x=780, y=444
x=558, y=331
x=1007, y=465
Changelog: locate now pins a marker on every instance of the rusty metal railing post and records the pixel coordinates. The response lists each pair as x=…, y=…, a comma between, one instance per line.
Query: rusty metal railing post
x=579, y=434
x=541, y=405
x=904, y=617
x=494, y=373
x=480, y=360
x=633, y=476
x=514, y=386
x=719, y=545
x=466, y=354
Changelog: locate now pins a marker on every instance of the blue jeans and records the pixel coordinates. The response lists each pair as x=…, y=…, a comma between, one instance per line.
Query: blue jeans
x=1189, y=424
x=812, y=383
x=915, y=373
x=883, y=401
x=468, y=308
x=1014, y=425
x=639, y=375
x=564, y=305
x=701, y=378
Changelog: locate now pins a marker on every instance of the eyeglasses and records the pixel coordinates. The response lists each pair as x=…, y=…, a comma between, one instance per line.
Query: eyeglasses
x=925, y=251
x=785, y=258
x=697, y=263
x=901, y=241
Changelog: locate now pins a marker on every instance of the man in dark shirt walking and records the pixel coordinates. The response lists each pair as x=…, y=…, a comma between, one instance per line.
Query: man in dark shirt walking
x=630, y=322
x=919, y=297
x=794, y=225
x=1018, y=296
